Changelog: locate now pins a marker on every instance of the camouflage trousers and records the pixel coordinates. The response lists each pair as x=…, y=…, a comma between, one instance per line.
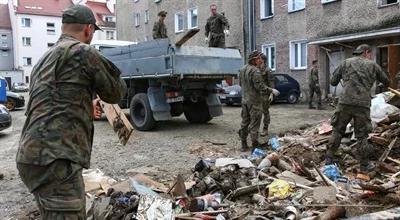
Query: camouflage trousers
x=251, y=121
x=362, y=127
x=317, y=91
x=58, y=189
x=217, y=41
x=267, y=118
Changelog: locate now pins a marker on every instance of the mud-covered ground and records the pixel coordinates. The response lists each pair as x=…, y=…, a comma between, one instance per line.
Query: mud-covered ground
x=174, y=147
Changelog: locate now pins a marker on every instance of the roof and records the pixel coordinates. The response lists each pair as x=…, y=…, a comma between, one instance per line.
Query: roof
x=358, y=36
x=42, y=7
x=100, y=9
x=5, y=22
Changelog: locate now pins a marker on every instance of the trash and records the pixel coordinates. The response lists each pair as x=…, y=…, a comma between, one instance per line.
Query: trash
x=325, y=128
x=380, y=109
x=142, y=189
x=202, y=203
x=324, y=195
x=274, y=142
x=94, y=179
x=148, y=182
x=257, y=153
x=154, y=208
x=242, y=163
x=289, y=176
x=279, y=189
x=332, y=172
x=291, y=213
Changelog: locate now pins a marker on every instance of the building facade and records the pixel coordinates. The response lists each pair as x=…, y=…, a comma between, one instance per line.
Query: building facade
x=135, y=19
x=292, y=33
x=6, y=40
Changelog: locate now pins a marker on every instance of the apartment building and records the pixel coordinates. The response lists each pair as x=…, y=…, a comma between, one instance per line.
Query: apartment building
x=135, y=19
x=292, y=33
x=6, y=39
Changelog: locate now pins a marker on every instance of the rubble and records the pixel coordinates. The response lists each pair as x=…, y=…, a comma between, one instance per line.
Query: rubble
x=288, y=181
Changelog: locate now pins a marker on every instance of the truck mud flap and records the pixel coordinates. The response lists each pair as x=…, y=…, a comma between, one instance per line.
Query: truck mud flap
x=161, y=109
x=214, y=105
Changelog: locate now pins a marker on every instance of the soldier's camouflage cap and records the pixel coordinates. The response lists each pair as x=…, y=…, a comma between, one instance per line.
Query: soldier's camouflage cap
x=162, y=13
x=254, y=54
x=79, y=14
x=361, y=48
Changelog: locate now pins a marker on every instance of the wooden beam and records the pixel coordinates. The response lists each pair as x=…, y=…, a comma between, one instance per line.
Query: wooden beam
x=187, y=36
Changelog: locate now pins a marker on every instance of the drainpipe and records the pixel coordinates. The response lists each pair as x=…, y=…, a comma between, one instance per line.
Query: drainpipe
x=249, y=27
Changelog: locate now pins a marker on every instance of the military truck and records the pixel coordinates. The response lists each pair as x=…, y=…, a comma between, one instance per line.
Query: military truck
x=167, y=80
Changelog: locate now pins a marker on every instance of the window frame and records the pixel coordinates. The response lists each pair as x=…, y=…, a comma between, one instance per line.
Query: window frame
x=27, y=63
x=146, y=16
x=23, y=22
x=292, y=56
x=4, y=53
x=3, y=37
x=176, y=22
x=262, y=12
x=189, y=18
x=380, y=5
x=51, y=30
x=137, y=19
x=296, y=10
x=112, y=34
x=266, y=49
x=4, y=44
x=25, y=41
x=328, y=1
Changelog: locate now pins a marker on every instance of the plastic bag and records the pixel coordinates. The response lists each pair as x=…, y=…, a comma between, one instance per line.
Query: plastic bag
x=279, y=188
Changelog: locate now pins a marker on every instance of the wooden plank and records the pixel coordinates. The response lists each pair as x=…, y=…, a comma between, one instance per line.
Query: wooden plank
x=397, y=93
x=187, y=36
x=118, y=121
x=387, y=151
x=379, y=140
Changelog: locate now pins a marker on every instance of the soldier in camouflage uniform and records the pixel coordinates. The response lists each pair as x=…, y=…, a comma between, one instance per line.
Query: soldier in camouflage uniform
x=217, y=27
x=56, y=140
x=358, y=75
x=253, y=89
x=159, y=28
x=313, y=82
x=269, y=80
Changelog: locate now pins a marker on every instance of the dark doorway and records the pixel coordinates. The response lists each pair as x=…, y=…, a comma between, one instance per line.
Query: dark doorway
x=8, y=79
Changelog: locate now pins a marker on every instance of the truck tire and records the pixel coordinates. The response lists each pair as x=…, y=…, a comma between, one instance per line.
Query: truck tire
x=197, y=112
x=141, y=114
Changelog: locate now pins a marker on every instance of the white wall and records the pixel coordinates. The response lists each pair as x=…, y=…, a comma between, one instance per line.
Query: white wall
x=16, y=76
x=102, y=35
x=39, y=39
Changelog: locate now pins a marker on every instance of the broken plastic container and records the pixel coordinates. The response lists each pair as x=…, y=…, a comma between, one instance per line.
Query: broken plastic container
x=274, y=142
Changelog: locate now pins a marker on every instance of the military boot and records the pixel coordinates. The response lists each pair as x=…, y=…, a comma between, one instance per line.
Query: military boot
x=245, y=147
x=264, y=133
x=310, y=106
x=255, y=144
x=319, y=107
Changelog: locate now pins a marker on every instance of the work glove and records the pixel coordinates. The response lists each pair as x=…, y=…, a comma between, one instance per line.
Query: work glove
x=275, y=92
x=226, y=32
x=271, y=97
x=317, y=85
x=206, y=39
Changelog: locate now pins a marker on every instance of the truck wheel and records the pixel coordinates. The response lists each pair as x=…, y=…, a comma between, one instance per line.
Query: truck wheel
x=197, y=112
x=141, y=114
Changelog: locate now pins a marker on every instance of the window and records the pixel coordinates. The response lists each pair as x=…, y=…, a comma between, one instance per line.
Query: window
x=146, y=38
x=298, y=55
x=387, y=2
x=266, y=8
x=26, y=79
x=4, y=44
x=146, y=16
x=51, y=28
x=269, y=51
x=327, y=1
x=50, y=44
x=296, y=5
x=27, y=61
x=137, y=19
x=26, y=41
x=178, y=22
x=109, y=19
x=135, y=0
x=4, y=37
x=110, y=35
x=192, y=18
x=26, y=22
x=4, y=53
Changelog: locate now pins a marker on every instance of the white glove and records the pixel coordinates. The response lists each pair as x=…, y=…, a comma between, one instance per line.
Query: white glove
x=226, y=32
x=206, y=39
x=317, y=85
x=275, y=92
x=271, y=97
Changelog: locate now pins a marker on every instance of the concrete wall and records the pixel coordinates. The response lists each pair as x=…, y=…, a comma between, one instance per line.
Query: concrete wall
x=6, y=50
x=316, y=21
x=14, y=76
x=127, y=30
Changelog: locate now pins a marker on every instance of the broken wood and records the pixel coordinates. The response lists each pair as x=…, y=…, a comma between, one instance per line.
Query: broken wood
x=397, y=93
x=386, y=168
x=118, y=121
x=379, y=140
x=202, y=213
x=387, y=151
x=187, y=36
x=332, y=213
x=393, y=160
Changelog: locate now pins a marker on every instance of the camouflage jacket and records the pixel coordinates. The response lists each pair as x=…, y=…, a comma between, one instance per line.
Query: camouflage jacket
x=159, y=30
x=60, y=112
x=268, y=79
x=216, y=25
x=358, y=75
x=313, y=77
x=253, y=85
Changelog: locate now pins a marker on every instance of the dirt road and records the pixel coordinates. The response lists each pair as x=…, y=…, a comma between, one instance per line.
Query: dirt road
x=166, y=151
